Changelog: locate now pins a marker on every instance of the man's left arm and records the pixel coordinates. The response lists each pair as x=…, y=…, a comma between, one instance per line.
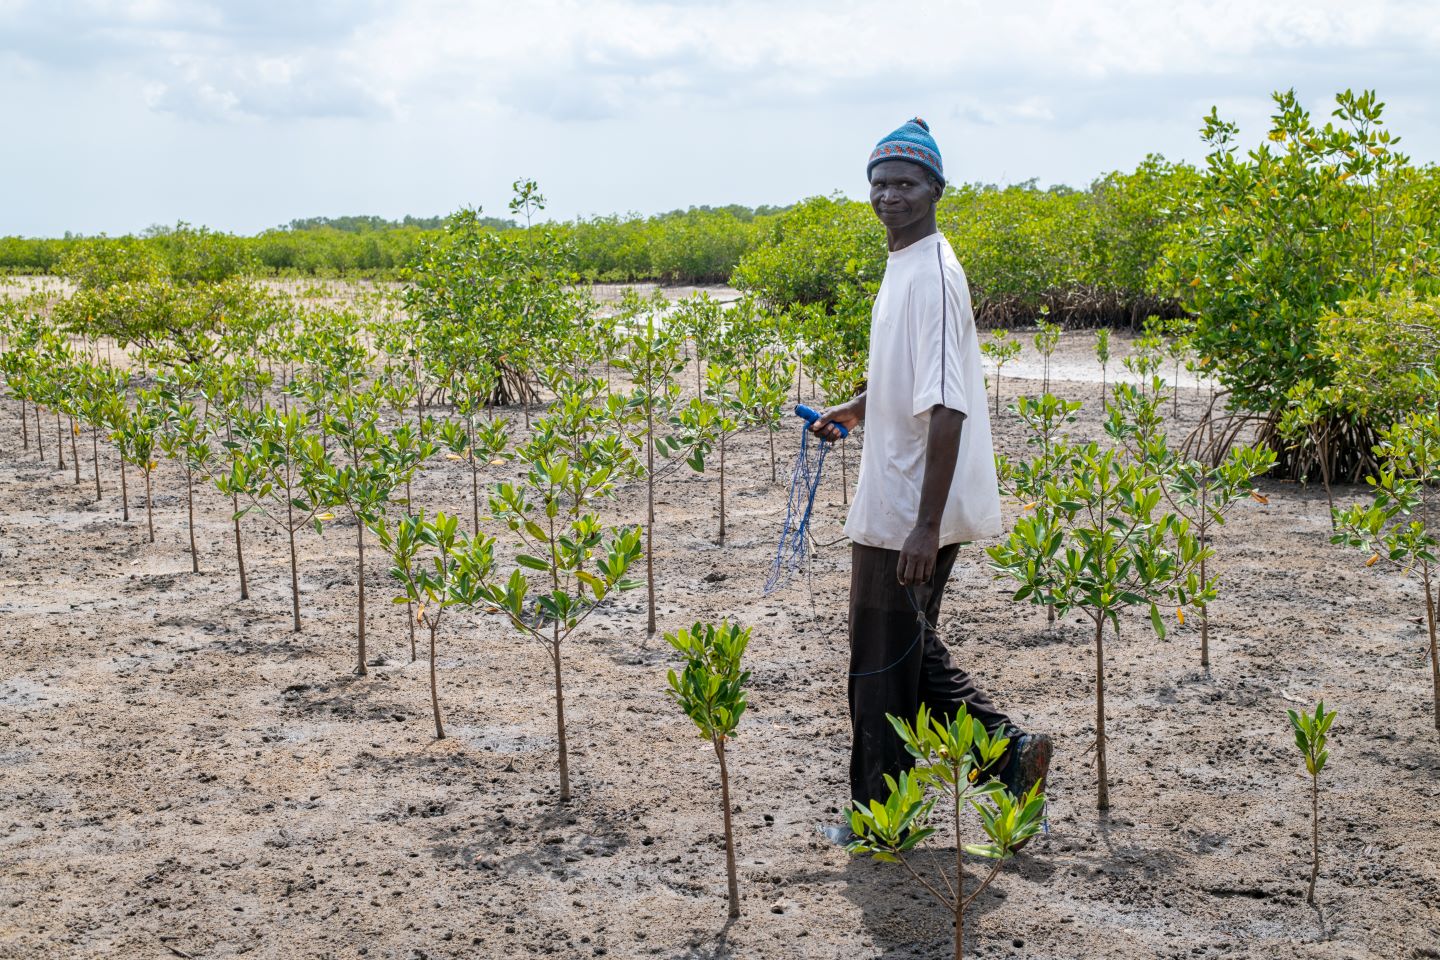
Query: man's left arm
x=942, y=450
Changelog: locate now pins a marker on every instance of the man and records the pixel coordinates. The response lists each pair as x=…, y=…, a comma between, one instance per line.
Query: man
x=927, y=481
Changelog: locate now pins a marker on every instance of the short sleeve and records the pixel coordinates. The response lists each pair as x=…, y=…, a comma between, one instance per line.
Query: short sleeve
x=940, y=308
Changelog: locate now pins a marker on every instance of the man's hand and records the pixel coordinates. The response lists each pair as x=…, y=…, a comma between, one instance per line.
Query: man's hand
x=917, y=557
x=847, y=415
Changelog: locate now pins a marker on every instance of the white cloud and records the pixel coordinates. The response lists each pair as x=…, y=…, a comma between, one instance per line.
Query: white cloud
x=573, y=60
x=427, y=104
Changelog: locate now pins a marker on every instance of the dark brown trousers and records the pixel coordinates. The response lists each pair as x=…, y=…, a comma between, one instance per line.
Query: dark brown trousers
x=897, y=662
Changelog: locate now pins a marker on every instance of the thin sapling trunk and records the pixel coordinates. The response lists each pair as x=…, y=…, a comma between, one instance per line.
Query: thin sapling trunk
x=1430, y=628
x=74, y=456
x=560, y=716
x=721, y=539
x=294, y=567
x=360, y=581
x=149, y=507
x=650, y=517
x=732, y=882
x=434, y=689
x=190, y=515
x=1103, y=797
x=95, y=454
x=1314, y=836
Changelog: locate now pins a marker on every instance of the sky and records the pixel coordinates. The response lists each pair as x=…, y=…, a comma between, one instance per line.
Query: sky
x=244, y=114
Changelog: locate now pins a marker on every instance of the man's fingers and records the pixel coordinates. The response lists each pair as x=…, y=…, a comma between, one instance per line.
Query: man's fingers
x=910, y=569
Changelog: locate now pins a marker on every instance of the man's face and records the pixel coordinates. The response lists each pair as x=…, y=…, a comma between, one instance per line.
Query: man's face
x=901, y=193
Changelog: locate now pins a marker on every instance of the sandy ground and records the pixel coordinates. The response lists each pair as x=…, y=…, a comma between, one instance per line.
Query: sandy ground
x=183, y=776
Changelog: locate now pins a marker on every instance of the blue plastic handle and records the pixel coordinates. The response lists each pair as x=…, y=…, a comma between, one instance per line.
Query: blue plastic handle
x=810, y=416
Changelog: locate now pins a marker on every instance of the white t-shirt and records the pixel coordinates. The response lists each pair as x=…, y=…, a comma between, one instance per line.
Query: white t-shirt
x=923, y=351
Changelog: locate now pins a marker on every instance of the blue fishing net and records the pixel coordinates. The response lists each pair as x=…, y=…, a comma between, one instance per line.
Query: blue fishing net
x=793, y=548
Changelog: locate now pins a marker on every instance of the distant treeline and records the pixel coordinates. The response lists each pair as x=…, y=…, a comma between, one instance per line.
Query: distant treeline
x=1082, y=256
x=698, y=245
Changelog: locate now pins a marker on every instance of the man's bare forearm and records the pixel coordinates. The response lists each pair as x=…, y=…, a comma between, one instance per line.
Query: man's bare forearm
x=942, y=450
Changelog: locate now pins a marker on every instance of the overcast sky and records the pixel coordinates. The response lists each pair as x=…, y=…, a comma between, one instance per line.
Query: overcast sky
x=244, y=114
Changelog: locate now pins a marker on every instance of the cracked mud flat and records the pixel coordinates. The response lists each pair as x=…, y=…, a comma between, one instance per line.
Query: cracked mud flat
x=181, y=775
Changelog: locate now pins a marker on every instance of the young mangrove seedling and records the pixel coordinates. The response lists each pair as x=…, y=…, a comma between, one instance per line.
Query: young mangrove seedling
x=1001, y=350
x=1310, y=739
x=952, y=756
x=1047, y=338
x=1199, y=492
x=567, y=562
x=711, y=691
x=1097, y=540
x=1102, y=353
x=438, y=567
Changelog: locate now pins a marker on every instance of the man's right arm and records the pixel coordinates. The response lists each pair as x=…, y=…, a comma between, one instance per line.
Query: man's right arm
x=847, y=415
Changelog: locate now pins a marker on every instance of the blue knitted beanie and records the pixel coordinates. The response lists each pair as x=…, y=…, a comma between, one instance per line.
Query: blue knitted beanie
x=912, y=141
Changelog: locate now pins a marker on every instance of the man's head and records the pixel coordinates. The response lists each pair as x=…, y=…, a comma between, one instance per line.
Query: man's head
x=906, y=175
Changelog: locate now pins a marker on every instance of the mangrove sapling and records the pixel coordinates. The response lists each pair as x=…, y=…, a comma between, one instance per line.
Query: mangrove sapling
x=711, y=691
x=184, y=437
x=1310, y=738
x=409, y=454
x=652, y=359
x=720, y=387
x=1399, y=526
x=276, y=469
x=952, y=757
x=135, y=438
x=485, y=441
x=427, y=557
x=475, y=444
x=1001, y=350
x=559, y=538
x=225, y=387
x=412, y=448
x=839, y=377
x=98, y=383
x=1145, y=358
x=759, y=398
x=1046, y=339
x=54, y=385
x=1199, y=493
x=360, y=481
x=696, y=429
x=1177, y=348
x=70, y=401
x=1102, y=353
x=1045, y=419
x=700, y=317
x=1097, y=541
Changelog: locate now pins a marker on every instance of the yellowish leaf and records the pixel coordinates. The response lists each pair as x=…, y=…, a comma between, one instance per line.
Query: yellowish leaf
x=1180, y=615
x=1258, y=497
x=1373, y=560
x=420, y=613
x=326, y=516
